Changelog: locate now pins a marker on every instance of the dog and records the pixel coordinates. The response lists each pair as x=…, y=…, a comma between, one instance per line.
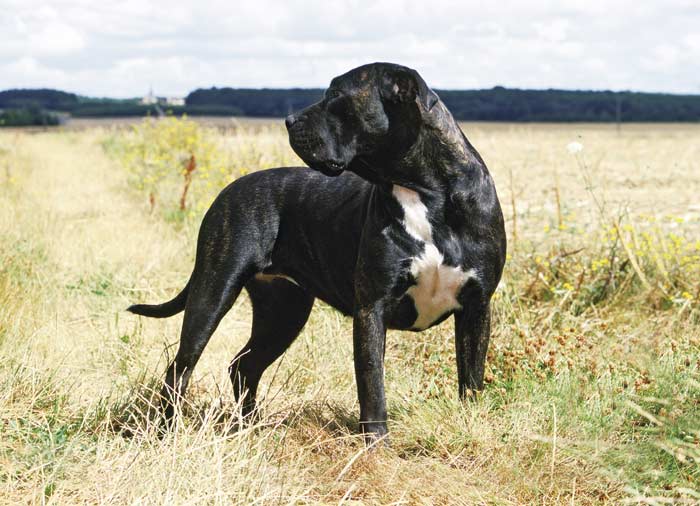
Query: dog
x=398, y=225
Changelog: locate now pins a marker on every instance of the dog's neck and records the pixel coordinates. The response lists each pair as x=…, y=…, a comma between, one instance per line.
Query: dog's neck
x=441, y=160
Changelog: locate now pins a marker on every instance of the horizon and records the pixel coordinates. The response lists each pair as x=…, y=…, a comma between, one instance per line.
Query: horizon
x=497, y=86
x=120, y=51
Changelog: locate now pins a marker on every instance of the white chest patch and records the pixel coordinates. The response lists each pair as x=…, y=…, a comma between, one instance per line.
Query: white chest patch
x=437, y=285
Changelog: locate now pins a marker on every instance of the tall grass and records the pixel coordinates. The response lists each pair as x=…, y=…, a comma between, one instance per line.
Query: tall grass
x=593, y=392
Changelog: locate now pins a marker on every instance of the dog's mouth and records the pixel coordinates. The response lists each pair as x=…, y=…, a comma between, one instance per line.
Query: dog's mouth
x=311, y=150
x=307, y=147
x=330, y=168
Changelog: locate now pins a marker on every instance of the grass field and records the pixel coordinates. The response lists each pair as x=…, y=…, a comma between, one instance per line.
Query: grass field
x=593, y=392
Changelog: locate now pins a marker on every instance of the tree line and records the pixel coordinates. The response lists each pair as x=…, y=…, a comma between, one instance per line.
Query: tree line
x=495, y=104
x=39, y=106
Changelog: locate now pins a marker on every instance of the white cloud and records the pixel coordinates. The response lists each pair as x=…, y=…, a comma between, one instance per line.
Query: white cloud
x=121, y=48
x=555, y=30
x=692, y=40
x=56, y=38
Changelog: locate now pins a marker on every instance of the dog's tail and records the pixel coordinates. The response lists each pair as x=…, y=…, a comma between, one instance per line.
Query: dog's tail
x=170, y=308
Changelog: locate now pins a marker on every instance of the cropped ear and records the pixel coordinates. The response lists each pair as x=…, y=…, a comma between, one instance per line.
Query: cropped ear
x=404, y=85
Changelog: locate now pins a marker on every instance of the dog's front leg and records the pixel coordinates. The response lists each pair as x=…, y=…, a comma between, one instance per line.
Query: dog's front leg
x=369, y=337
x=472, y=332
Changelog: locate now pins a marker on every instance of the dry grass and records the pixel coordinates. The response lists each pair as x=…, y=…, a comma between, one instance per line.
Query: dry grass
x=594, y=394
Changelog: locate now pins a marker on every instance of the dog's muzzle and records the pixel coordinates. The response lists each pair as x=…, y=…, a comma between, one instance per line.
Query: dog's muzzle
x=289, y=121
x=306, y=146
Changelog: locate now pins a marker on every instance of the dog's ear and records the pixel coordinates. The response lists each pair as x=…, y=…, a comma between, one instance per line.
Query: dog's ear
x=404, y=85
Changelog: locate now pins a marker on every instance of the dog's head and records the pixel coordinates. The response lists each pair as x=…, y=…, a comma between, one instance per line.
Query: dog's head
x=367, y=118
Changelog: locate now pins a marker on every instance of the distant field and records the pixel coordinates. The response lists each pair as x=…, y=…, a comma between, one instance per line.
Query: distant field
x=593, y=392
x=217, y=121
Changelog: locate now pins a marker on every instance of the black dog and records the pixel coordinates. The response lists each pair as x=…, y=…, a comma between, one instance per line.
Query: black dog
x=408, y=233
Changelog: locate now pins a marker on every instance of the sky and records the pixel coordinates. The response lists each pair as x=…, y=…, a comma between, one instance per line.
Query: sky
x=121, y=48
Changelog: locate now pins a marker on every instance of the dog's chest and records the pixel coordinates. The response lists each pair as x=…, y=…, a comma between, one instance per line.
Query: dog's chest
x=437, y=285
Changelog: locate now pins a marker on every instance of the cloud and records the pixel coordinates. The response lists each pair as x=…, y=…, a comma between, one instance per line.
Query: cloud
x=122, y=48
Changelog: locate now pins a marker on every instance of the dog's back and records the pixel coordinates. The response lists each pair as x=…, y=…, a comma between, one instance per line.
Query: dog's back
x=312, y=236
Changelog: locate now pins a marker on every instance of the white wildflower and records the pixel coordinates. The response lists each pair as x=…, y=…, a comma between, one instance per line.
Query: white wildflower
x=574, y=147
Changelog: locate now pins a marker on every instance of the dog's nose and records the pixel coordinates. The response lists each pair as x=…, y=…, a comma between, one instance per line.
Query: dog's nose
x=290, y=120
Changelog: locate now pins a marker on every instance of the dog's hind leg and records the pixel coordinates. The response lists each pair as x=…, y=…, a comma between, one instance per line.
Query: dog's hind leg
x=208, y=301
x=222, y=267
x=280, y=310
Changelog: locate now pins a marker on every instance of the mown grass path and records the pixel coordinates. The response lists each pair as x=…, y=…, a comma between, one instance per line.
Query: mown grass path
x=96, y=242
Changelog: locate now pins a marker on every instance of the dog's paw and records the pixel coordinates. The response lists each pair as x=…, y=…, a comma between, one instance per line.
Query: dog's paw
x=376, y=435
